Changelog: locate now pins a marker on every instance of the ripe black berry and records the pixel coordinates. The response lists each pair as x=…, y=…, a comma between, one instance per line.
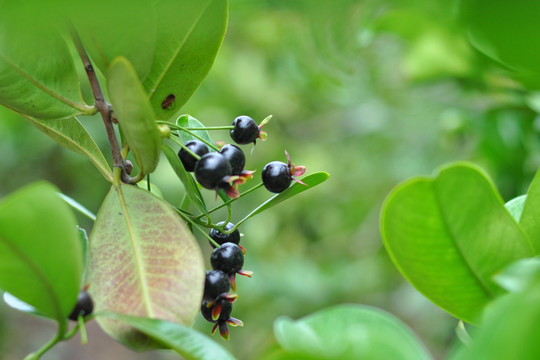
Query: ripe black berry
x=188, y=160
x=222, y=238
x=221, y=318
x=277, y=176
x=245, y=130
x=213, y=171
x=84, y=306
x=236, y=158
x=228, y=258
x=217, y=283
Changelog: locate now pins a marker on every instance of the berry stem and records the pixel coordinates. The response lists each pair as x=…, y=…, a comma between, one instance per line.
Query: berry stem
x=229, y=127
x=185, y=148
x=190, y=132
x=148, y=187
x=196, y=226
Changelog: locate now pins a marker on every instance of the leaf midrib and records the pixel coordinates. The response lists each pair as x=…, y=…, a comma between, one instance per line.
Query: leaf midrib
x=137, y=255
x=180, y=47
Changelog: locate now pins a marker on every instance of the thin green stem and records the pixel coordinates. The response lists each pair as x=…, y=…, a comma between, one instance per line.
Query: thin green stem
x=185, y=148
x=196, y=226
x=192, y=133
x=230, y=127
x=148, y=187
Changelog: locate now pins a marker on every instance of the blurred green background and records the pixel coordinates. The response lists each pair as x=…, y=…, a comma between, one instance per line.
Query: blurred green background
x=372, y=92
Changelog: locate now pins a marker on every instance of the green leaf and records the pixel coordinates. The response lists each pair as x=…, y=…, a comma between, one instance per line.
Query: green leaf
x=509, y=330
x=143, y=262
x=134, y=114
x=518, y=275
x=77, y=206
x=189, y=343
x=71, y=134
x=530, y=217
x=143, y=184
x=40, y=251
x=349, y=332
x=37, y=73
x=515, y=207
x=190, y=186
x=124, y=28
x=189, y=35
x=310, y=180
x=188, y=121
x=449, y=235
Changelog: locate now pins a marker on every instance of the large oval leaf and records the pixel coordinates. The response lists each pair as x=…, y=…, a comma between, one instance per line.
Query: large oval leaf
x=71, y=134
x=44, y=86
x=144, y=262
x=40, y=251
x=134, y=114
x=189, y=343
x=348, y=332
x=189, y=35
x=449, y=234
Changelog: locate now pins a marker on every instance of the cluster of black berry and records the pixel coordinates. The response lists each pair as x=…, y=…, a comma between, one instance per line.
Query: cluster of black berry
x=224, y=169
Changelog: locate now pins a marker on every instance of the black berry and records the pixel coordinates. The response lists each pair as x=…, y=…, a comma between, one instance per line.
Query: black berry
x=84, y=306
x=220, y=314
x=188, y=160
x=236, y=158
x=222, y=238
x=217, y=283
x=213, y=170
x=228, y=258
x=276, y=176
x=224, y=315
x=245, y=130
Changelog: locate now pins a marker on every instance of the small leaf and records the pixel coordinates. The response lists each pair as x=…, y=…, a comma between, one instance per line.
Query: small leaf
x=134, y=114
x=509, y=329
x=190, y=186
x=349, y=332
x=449, y=235
x=530, y=216
x=189, y=343
x=515, y=207
x=40, y=251
x=188, y=121
x=71, y=134
x=143, y=184
x=189, y=34
x=45, y=86
x=77, y=206
x=310, y=180
x=144, y=262
x=518, y=275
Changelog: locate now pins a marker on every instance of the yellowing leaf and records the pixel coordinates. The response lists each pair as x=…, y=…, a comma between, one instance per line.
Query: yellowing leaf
x=143, y=261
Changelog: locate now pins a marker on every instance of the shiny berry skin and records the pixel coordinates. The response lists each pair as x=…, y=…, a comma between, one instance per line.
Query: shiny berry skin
x=84, y=306
x=212, y=170
x=224, y=315
x=276, y=176
x=228, y=258
x=236, y=158
x=245, y=130
x=196, y=146
x=222, y=238
x=215, y=284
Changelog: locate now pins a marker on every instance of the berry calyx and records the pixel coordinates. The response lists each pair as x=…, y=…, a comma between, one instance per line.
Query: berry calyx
x=188, y=160
x=229, y=258
x=246, y=131
x=84, y=306
x=277, y=176
x=213, y=171
x=222, y=320
x=222, y=238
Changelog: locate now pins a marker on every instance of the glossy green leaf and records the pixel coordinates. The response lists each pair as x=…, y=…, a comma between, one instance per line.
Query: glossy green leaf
x=20, y=305
x=310, y=180
x=192, y=190
x=71, y=134
x=515, y=207
x=134, y=114
x=37, y=73
x=349, y=332
x=189, y=35
x=143, y=262
x=530, y=217
x=77, y=206
x=188, y=121
x=189, y=343
x=509, y=330
x=448, y=235
x=40, y=251
x=124, y=28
